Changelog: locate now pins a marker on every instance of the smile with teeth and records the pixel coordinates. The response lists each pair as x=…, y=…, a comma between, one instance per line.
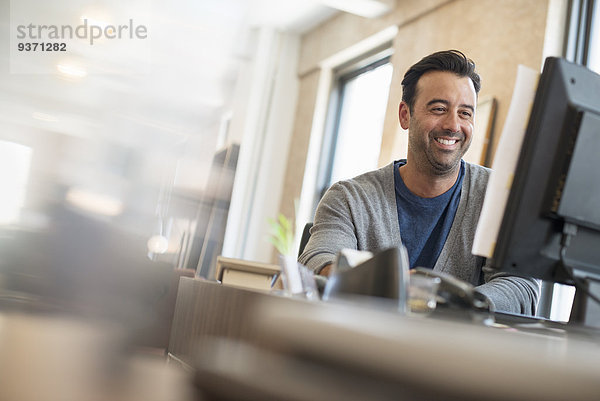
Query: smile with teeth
x=446, y=141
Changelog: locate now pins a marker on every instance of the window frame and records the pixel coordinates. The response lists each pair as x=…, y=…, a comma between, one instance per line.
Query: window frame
x=581, y=19
x=345, y=73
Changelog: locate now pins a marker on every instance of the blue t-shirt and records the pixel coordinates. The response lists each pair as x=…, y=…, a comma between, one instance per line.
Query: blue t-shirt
x=425, y=222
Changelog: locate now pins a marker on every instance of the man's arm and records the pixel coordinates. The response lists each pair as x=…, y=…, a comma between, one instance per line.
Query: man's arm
x=333, y=230
x=510, y=293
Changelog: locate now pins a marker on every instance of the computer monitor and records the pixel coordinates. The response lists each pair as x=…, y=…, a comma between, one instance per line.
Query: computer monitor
x=554, y=202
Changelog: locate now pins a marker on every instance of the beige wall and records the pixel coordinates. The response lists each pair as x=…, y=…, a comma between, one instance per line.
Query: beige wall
x=344, y=30
x=497, y=35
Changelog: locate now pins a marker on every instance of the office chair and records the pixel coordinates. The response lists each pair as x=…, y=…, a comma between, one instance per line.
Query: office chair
x=304, y=238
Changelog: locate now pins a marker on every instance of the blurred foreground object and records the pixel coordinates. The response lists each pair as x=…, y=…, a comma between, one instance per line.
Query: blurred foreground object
x=58, y=359
x=339, y=351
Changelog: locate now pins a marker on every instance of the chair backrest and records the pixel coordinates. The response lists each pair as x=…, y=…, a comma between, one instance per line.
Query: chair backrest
x=304, y=238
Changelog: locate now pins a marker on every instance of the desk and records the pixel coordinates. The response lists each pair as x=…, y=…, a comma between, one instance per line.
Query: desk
x=350, y=352
x=206, y=309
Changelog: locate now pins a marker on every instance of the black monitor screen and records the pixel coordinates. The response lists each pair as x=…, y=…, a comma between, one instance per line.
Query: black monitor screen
x=556, y=185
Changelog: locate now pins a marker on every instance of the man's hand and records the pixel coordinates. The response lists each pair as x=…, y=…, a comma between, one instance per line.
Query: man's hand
x=326, y=271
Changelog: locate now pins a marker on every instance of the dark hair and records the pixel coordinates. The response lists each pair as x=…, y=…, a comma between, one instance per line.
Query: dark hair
x=447, y=60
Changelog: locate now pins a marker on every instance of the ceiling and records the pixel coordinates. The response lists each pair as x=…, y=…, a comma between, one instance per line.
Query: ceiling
x=161, y=97
x=176, y=81
x=164, y=93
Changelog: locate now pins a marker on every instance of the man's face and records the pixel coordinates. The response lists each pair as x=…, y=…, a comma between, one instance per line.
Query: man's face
x=440, y=126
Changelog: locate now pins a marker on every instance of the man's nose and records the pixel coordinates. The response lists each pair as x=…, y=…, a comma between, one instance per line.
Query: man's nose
x=451, y=123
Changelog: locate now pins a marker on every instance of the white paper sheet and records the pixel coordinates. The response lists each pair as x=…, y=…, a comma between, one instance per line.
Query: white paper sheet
x=505, y=162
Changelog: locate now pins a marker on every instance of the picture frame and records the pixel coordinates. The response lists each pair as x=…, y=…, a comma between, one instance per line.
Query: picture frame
x=480, y=148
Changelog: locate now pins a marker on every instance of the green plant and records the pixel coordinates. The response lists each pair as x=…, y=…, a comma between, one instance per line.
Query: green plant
x=282, y=235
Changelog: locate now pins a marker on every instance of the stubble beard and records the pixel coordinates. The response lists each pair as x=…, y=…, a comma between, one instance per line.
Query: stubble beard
x=433, y=160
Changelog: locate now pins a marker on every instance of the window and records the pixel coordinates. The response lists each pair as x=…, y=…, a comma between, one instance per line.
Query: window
x=582, y=42
x=593, y=60
x=15, y=161
x=355, y=126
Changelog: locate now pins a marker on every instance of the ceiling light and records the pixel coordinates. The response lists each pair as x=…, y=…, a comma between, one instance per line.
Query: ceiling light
x=71, y=71
x=44, y=117
x=93, y=21
x=363, y=8
x=94, y=202
x=158, y=244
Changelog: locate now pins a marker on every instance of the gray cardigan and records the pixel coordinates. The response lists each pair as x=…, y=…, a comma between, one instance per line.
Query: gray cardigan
x=360, y=213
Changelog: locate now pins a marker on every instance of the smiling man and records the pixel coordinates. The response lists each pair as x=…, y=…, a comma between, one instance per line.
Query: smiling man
x=430, y=201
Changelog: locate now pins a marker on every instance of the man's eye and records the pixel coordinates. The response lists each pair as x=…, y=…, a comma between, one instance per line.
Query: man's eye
x=467, y=114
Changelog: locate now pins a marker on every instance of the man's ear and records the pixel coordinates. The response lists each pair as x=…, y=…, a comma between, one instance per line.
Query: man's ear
x=404, y=115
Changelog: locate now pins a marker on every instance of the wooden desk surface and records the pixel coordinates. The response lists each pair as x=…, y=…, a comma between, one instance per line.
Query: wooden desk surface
x=461, y=360
x=207, y=309
x=281, y=348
